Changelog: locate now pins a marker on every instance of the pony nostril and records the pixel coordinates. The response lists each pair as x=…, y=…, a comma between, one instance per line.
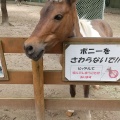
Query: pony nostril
x=29, y=49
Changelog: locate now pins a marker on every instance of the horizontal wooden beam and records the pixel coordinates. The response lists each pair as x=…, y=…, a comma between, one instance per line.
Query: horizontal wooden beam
x=55, y=77
x=15, y=45
x=18, y=77
x=17, y=103
x=82, y=104
x=50, y=77
x=63, y=104
x=95, y=40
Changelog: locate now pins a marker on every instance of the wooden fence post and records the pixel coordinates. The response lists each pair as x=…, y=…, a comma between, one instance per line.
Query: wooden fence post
x=38, y=82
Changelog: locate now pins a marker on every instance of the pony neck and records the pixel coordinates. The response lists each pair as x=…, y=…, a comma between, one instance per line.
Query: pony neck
x=76, y=23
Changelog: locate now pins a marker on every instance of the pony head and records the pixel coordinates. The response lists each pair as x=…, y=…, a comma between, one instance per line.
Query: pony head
x=55, y=25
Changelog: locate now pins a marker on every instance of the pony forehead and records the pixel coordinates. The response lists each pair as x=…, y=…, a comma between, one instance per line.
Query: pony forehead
x=52, y=4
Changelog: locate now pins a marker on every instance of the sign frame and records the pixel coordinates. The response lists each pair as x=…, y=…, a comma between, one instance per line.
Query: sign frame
x=3, y=64
x=85, y=41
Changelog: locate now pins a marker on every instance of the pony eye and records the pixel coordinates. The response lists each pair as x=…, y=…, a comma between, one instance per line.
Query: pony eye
x=58, y=17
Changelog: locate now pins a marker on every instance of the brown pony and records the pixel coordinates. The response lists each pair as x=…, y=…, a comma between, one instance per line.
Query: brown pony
x=57, y=22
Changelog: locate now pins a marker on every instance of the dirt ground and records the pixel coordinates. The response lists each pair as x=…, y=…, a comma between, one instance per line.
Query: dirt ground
x=24, y=18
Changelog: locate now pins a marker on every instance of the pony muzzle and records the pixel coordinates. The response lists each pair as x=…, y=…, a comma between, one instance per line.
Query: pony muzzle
x=34, y=52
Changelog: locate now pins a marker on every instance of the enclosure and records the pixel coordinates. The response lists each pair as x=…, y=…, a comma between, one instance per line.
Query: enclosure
x=24, y=18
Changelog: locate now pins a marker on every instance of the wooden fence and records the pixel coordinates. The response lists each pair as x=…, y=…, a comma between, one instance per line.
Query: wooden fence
x=39, y=77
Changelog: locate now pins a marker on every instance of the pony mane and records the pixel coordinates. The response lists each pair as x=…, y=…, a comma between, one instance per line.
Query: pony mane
x=85, y=27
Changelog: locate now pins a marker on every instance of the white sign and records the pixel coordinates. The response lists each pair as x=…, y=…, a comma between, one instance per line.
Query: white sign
x=1, y=70
x=92, y=62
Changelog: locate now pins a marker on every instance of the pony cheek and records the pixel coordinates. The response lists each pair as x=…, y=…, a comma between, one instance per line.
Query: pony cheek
x=51, y=41
x=51, y=44
x=49, y=38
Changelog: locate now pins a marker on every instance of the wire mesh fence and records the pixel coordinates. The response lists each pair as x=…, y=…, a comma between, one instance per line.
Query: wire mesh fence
x=90, y=9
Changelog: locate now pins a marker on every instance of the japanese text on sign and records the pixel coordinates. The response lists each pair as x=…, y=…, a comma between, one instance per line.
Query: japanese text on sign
x=92, y=62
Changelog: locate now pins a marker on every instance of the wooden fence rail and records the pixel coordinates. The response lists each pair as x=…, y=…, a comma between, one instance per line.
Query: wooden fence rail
x=38, y=78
